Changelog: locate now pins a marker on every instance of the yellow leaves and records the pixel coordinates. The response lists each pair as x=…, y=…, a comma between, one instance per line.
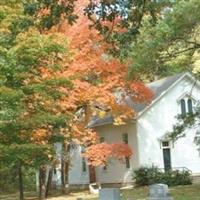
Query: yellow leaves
x=102, y=114
x=50, y=156
x=82, y=135
x=40, y=136
x=9, y=10
x=118, y=121
x=196, y=66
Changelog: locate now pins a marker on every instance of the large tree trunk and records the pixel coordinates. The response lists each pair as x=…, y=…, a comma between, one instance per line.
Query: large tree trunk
x=42, y=183
x=64, y=171
x=21, y=187
x=49, y=182
x=63, y=182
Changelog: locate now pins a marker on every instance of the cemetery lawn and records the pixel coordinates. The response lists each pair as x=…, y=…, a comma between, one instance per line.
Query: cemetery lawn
x=190, y=192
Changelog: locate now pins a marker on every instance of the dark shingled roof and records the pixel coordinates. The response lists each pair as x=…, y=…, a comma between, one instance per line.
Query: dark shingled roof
x=158, y=87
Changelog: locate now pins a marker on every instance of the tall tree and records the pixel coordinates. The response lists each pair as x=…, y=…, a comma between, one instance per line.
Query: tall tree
x=118, y=21
x=30, y=112
x=97, y=77
x=54, y=81
x=171, y=45
x=108, y=17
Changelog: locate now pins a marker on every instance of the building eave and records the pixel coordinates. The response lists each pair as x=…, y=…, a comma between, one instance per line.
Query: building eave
x=187, y=74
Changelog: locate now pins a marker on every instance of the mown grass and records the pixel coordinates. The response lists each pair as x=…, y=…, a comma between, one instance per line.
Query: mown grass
x=190, y=192
x=15, y=196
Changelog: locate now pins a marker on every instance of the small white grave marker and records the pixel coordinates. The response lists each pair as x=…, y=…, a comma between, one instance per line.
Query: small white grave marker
x=159, y=192
x=109, y=194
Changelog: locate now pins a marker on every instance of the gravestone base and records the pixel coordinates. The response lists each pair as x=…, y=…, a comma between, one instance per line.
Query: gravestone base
x=159, y=192
x=160, y=198
x=109, y=194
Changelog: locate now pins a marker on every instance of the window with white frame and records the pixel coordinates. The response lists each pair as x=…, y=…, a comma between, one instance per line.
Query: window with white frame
x=186, y=105
x=190, y=106
x=165, y=144
x=183, y=107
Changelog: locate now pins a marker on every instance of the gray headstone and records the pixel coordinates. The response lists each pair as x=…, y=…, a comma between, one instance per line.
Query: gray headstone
x=109, y=194
x=159, y=192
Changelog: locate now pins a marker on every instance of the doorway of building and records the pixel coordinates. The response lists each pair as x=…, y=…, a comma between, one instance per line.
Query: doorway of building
x=166, y=155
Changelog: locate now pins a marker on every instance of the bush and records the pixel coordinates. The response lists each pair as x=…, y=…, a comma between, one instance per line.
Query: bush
x=146, y=175
x=150, y=175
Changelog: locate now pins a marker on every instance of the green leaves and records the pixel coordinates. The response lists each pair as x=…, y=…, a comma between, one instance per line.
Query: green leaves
x=126, y=19
x=51, y=12
x=169, y=46
x=29, y=154
x=29, y=86
x=10, y=97
x=35, y=50
x=42, y=119
x=20, y=24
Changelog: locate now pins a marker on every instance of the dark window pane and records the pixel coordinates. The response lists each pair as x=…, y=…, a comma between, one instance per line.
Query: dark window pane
x=105, y=167
x=190, y=109
x=183, y=107
x=127, y=162
x=102, y=139
x=125, y=138
x=165, y=144
x=83, y=165
x=83, y=160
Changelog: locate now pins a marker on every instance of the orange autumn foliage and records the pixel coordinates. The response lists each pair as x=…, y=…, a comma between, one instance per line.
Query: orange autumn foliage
x=39, y=136
x=97, y=79
x=99, y=154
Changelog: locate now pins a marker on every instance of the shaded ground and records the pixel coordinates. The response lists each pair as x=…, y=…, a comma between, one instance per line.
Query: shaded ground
x=191, y=192
x=15, y=196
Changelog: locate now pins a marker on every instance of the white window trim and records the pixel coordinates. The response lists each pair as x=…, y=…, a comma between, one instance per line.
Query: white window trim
x=187, y=96
x=166, y=147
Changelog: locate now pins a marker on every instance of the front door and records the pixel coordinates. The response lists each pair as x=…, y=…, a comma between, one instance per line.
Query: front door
x=167, y=159
x=92, y=174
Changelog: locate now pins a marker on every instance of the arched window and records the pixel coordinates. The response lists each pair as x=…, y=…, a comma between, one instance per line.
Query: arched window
x=190, y=109
x=183, y=107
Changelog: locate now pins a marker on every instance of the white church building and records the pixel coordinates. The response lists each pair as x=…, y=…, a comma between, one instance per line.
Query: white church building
x=147, y=134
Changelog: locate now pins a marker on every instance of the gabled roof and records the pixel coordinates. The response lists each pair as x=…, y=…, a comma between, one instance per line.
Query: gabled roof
x=159, y=88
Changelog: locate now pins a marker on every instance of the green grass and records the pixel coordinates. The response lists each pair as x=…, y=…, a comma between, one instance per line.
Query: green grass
x=15, y=196
x=191, y=192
